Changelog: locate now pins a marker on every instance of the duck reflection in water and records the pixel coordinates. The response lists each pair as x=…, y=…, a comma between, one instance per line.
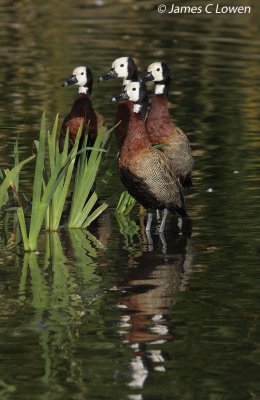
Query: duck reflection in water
x=149, y=286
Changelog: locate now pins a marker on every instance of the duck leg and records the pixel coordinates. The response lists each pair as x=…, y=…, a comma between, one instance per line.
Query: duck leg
x=158, y=216
x=164, y=243
x=165, y=213
x=149, y=221
x=149, y=240
x=179, y=223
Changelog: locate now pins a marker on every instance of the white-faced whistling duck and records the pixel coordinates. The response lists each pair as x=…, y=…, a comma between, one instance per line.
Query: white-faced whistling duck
x=82, y=110
x=161, y=129
x=123, y=67
x=145, y=171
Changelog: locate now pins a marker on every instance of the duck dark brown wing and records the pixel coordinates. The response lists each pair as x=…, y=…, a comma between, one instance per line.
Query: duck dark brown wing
x=73, y=125
x=179, y=152
x=151, y=179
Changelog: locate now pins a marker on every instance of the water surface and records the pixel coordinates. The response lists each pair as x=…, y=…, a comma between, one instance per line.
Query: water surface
x=111, y=313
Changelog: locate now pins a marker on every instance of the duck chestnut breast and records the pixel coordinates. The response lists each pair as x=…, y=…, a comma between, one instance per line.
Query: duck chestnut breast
x=125, y=68
x=161, y=129
x=82, y=111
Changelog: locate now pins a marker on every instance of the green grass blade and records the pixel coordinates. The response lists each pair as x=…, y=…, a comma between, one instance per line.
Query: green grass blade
x=64, y=153
x=85, y=177
x=16, y=162
x=61, y=192
x=83, y=199
x=54, y=133
x=120, y=202
x=83, y=214
x=44, y=202
x=52, y=144
x=10, y=176
x=95, y=214
x=21, y=219
x=43, y=192
x=51, y=154
x=39, y=167
x=43, y=205
x=125, y=204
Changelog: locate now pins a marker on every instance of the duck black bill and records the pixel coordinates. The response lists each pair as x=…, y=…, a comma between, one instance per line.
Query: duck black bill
x=121, y=96
x=72, y=80
x=147, y=77
x=110, y=75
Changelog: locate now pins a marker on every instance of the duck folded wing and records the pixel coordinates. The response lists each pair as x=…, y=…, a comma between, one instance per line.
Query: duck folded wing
x=151, y=179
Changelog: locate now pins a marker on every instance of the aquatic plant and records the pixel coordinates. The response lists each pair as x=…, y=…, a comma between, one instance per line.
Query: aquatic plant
x=125, y=203
x=86, y=190
x=60, y=183
x=53, y=175
x=9, y=178
x=41, y=196
x=10, y=232
x=57, y=160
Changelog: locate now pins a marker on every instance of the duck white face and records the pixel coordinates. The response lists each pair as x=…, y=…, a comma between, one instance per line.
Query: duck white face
x=160, y=74
x=133, y=91
x=156, y=71
x=120, y=66
x=123, y=67
x=82, y=77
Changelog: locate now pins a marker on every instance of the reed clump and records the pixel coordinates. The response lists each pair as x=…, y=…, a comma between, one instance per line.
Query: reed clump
x=66, y=188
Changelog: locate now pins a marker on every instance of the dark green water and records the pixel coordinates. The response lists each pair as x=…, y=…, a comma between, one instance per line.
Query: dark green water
x=110, y=313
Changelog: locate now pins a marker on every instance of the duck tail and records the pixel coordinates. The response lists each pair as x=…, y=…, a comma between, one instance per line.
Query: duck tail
x=187, y=182
x=182, y=212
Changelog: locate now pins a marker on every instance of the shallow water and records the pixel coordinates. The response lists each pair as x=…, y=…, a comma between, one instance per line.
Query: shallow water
x=112, y=313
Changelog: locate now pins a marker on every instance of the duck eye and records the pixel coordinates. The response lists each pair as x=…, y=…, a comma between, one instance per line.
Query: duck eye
x=121, y=65
x=158, y=69
x=134, y=89
x=82, y=73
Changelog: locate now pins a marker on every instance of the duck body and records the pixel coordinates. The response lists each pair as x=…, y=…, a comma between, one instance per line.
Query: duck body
x=176, y=147
x=147, y=173
x=161, y=129
x=82, y=112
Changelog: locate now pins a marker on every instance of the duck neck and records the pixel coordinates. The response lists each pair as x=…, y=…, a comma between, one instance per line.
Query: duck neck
x=138, y=109
x=130, y=78
x=136, y=138
x=159, y=106
x=126, y=81
x=82, y=104
x=161, y=89
x=159, y=116
x=87, y=89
